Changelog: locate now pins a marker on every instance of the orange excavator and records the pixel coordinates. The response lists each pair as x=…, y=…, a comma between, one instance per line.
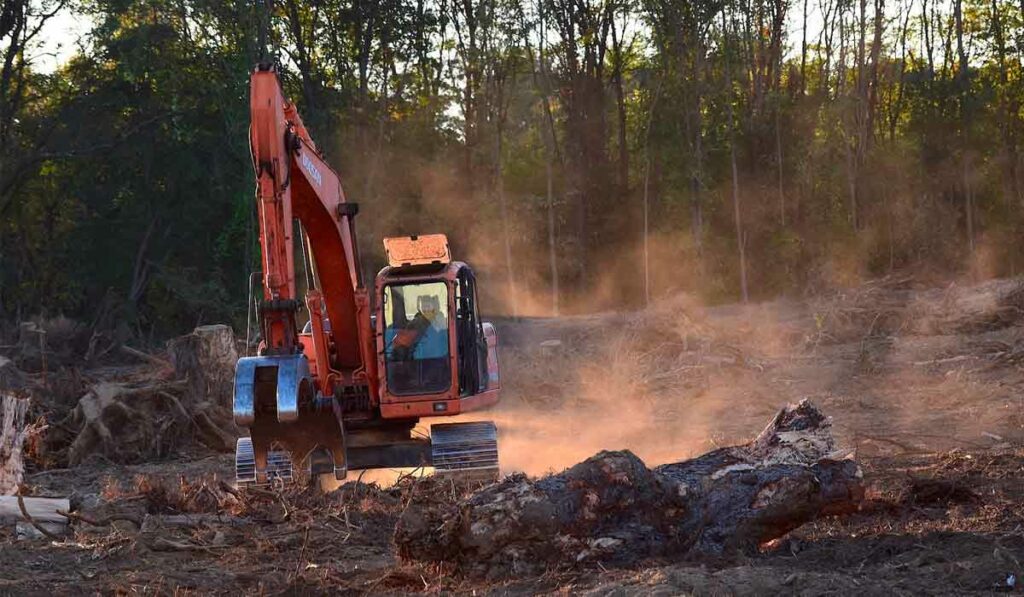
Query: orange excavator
x=348, y=390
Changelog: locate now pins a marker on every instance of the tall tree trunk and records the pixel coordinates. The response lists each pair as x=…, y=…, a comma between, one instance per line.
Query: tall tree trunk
x=963, y=86
x=778, y=20
x=499, y=184
x=897, y=105
x=646, y=196
x=872, y=82
x=543, y=82
x=737, y=217
x=552, y=252
x=1008, y=104
x=620, y=104
x=304, y=61
x=778, y=160
x=697, y=180
x=926, y=36
x=803, y=53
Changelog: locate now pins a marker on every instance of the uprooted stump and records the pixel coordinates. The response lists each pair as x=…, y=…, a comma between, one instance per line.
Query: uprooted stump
x=142, y=418
x=613, y=509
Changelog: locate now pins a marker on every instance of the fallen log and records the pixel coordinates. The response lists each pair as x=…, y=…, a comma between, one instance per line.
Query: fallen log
x=41, y=509
x=152, y=360
x=192, y=520
x=613, y=509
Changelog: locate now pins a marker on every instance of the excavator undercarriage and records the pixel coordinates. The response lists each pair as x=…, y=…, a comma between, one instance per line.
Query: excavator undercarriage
x=274, y=399
x=461, y=451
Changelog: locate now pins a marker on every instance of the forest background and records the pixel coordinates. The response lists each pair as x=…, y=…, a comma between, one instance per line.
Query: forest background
x=582, y=154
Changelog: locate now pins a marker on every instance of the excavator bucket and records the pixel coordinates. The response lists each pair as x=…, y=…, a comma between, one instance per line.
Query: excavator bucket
x=286, y=372
x=270, y=392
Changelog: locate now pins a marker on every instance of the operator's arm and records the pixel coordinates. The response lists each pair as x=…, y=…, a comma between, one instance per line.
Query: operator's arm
x=408, y=338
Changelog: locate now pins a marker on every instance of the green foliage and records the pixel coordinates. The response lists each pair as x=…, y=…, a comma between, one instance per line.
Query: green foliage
x=125, y=173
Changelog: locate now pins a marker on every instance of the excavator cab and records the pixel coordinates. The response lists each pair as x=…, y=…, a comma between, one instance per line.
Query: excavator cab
x=436, y=355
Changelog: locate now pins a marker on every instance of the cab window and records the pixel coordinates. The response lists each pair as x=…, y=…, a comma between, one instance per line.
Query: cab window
x=416, y=347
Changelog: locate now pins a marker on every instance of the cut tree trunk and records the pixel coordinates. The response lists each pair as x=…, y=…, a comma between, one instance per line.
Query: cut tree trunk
x=11, y=378
x=613, y=509
x=207, y=358
x=14, y=430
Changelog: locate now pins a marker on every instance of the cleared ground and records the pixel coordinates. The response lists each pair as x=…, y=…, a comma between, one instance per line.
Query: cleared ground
x=924, y=386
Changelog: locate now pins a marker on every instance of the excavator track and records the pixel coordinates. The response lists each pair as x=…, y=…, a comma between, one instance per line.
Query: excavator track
x=245, y=462
x=465, y=451
x=279, y=464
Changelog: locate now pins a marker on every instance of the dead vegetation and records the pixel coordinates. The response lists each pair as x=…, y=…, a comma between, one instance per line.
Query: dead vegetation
x=898, y=305
x=147, y=406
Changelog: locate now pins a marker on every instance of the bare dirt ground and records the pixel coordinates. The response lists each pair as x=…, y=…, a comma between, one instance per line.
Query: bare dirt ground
x=924, y=386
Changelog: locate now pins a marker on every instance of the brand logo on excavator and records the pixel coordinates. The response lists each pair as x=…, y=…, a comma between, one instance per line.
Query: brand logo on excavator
x=310, y=167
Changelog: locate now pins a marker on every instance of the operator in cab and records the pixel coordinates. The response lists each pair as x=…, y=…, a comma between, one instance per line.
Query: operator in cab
x=417, y=350
x=433, y=342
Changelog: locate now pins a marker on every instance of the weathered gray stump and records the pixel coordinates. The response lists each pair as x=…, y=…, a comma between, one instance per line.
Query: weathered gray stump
x=14, y=430
x=11, y=378
x=611, y=508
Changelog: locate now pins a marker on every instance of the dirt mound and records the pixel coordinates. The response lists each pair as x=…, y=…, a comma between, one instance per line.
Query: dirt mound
x=612, y=509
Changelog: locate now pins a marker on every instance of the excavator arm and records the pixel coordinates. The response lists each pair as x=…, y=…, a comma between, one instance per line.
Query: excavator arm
x=295, y=183
x=309, y=376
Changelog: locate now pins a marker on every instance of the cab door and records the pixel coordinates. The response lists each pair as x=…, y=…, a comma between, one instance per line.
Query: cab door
x=469, y=336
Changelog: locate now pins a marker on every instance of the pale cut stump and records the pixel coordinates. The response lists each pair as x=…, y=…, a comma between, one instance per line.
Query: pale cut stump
x=14, y=430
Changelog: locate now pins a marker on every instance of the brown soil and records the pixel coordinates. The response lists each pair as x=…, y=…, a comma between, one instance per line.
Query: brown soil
x=924, y=386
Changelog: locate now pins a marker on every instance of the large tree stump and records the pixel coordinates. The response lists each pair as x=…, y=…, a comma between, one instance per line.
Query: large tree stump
x=14, y=430
x=206, y=358
x=611, y=508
